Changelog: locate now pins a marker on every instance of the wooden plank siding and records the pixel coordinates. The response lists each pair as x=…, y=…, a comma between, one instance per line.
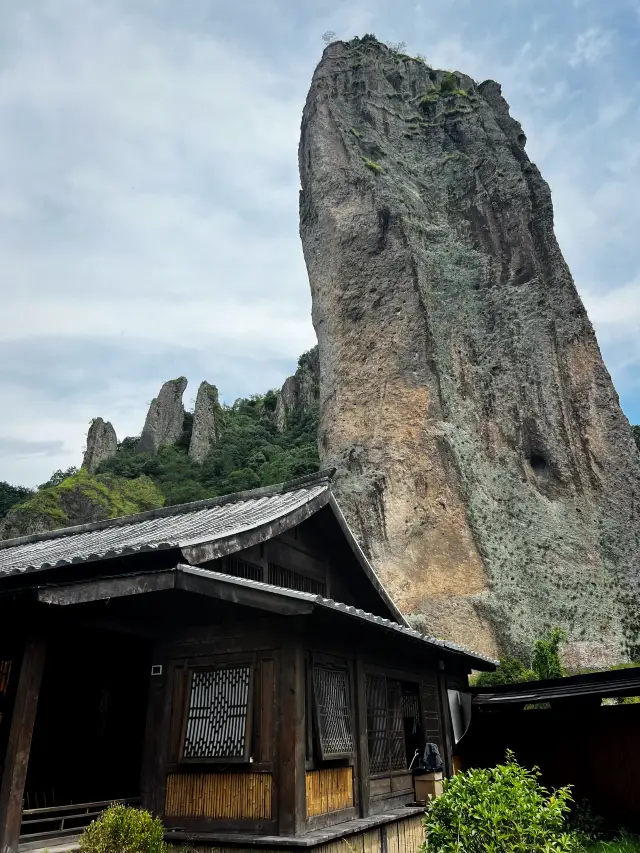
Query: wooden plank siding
x=402, y=836
x=329, y=790
x=223, y=796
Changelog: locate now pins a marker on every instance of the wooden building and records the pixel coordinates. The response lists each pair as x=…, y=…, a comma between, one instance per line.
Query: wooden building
x=574, y=730
x=235, y=665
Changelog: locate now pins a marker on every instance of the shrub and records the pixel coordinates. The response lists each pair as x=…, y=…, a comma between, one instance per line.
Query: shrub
x=546, y=654
x=121, y=829
x=503, y=809
x=510, y=671
x=371, y=164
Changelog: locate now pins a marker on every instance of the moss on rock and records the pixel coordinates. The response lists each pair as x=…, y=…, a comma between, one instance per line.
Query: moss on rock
x=80, y=499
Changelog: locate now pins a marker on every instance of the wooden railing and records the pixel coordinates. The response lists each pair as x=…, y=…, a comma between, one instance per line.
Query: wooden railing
x=61, y=820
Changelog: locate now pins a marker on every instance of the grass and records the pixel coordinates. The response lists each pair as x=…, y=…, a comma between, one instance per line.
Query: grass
x=429, y=97
x=625, y=843
x=355, y=132
x=371, y=164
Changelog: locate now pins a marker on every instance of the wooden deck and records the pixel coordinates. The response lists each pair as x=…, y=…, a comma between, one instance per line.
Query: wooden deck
x=399, y=831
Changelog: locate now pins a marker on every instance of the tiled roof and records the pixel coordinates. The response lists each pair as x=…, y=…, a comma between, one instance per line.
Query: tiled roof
x=173, y=527
x=330, y=604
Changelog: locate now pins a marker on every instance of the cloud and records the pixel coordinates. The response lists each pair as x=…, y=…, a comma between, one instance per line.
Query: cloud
x=589, y=46
x=149, y=213
x=21, y=448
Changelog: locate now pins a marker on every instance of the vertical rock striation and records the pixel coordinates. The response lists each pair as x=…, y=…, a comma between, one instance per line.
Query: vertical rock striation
x=484, y=460
x=206, y=426
x=102, y=444
x=163, y=425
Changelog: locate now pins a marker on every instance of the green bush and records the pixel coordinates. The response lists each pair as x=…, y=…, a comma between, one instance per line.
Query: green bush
x=503, y=809
x=546, y=654
x=121, y=829
x=371, y=164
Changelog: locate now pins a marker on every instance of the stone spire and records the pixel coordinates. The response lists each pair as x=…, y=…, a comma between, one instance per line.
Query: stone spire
x=206, y=426
x=163, y=425
x=102, y=444
x=483, y=458
x=299, y=394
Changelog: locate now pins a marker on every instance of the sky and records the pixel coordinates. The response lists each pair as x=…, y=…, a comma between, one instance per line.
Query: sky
x=149, y=188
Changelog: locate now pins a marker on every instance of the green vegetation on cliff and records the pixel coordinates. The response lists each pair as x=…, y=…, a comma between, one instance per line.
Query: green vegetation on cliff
x=10, y=495
x=250, y=453
x=78, y=499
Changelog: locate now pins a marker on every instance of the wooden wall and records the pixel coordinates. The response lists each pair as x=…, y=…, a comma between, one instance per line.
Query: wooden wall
x=594, y=749
x=402, y=836
x=329, y=790
x=224, y=796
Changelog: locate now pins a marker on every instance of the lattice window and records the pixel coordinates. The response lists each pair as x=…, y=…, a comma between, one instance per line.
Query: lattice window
x=279, y=576
x=387, y=707
x=242, y=569
x=218, y=714
x=333, y=712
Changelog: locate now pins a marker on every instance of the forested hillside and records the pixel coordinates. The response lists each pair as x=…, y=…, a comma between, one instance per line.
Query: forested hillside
x=251, y=451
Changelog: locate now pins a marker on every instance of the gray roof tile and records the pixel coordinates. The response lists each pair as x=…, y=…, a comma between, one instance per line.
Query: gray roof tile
x=174, y=527
x=330, y=604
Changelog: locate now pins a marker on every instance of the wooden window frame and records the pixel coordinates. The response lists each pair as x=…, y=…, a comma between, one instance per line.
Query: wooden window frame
x=247, y=663
x=343, y=670
x=400, y=678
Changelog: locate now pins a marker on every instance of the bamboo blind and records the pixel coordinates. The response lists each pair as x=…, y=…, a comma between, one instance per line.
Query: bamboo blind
x=227, y=796
x=329, y=790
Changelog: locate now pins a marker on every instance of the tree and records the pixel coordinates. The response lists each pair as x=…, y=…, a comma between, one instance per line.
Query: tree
x=545, y=663
x=58, y=476
x=11, y=495
x=546, y=654
x=328, y=37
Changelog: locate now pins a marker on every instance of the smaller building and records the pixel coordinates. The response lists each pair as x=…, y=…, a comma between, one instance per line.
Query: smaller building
x=581, y=731
x=235, y=665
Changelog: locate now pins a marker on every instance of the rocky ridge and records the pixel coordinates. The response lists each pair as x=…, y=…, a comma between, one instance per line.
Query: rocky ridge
x=483, y=457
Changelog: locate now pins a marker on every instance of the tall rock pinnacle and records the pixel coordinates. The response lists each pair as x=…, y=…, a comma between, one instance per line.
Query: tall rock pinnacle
x=299, y=394
x=165, y=417
x=206, y=426
x=102, y=444
x=484, y=461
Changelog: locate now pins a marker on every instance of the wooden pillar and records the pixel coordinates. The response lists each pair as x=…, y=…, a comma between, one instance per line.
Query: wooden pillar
x=446, y=729
x=19, y=747
x=292, y=807
x=362, y=744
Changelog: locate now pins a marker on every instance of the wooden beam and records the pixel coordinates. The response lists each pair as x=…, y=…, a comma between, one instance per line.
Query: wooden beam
x=101, y=590
x=238, y=593
x=19, y=747
x=362, y=745
x=291, y=791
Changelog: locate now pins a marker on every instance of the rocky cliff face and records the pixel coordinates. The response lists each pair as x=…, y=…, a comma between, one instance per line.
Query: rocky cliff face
x=102, y=444
x=483, y=457
x=206, y=425
x=300, y=392
x=163, y=425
